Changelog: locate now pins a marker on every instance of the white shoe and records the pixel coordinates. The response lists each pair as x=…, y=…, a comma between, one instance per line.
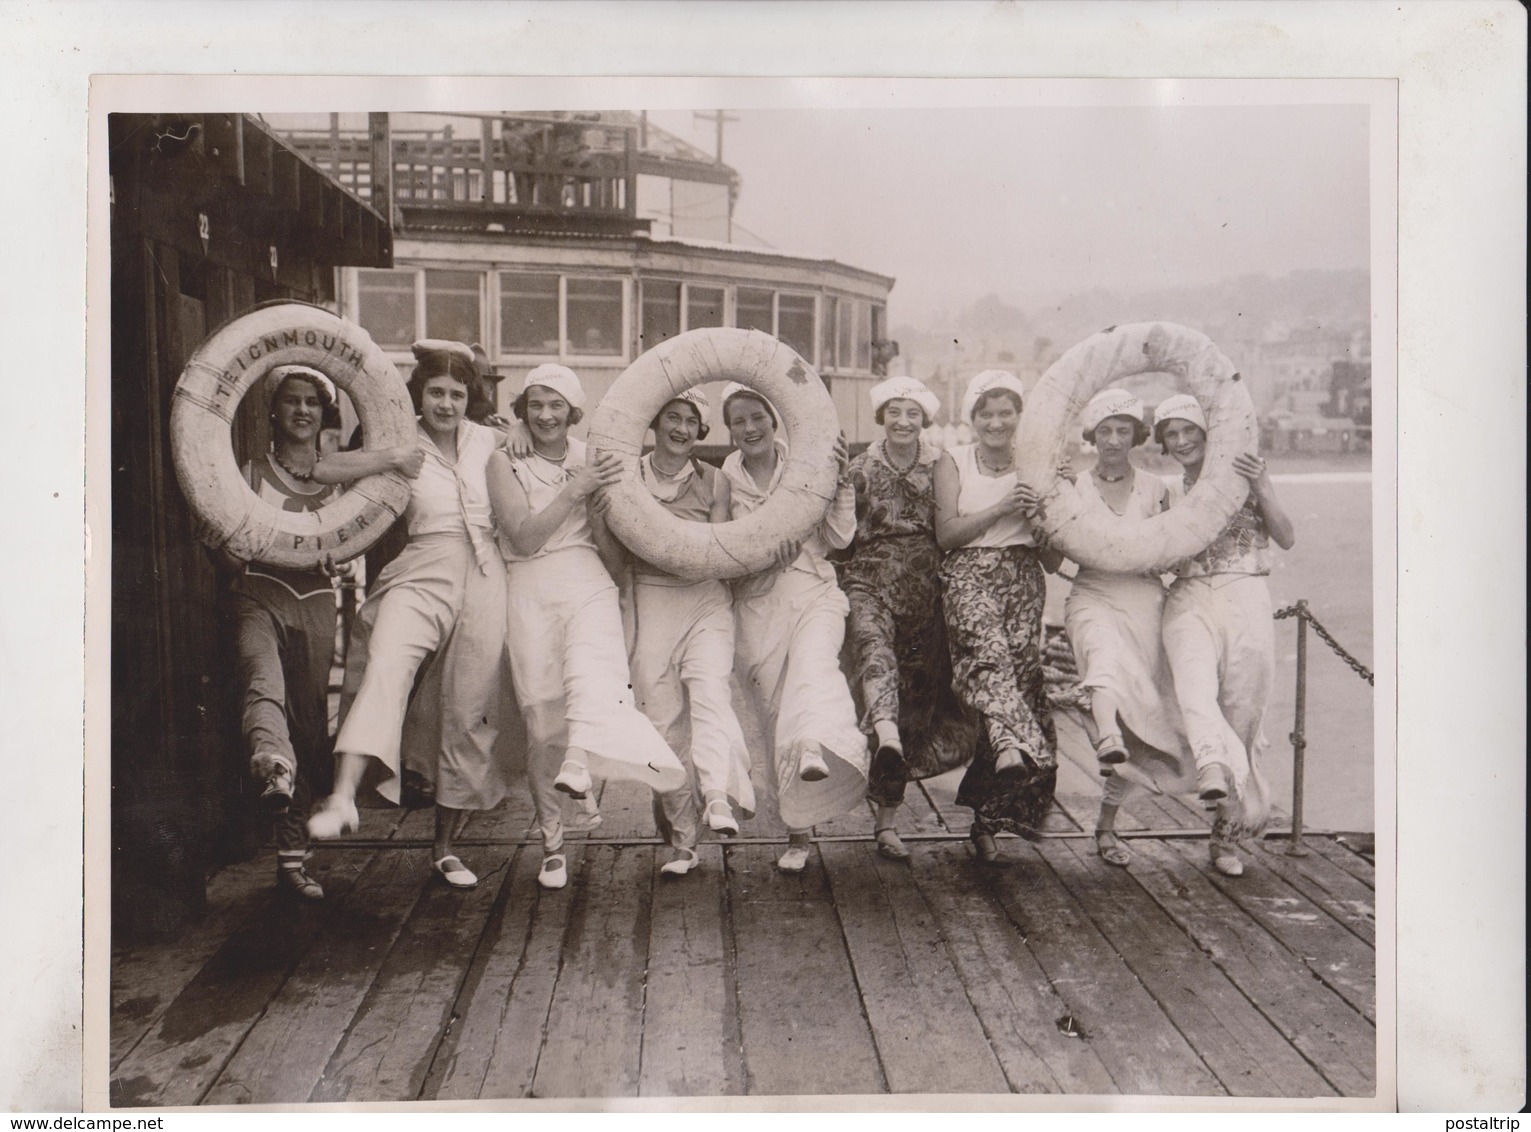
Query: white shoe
x=555, y=871
x=1225, y=859
x=794, y=860
x=720, y=818
x=812, y=767
x=680, y=864
x=573, y=779
x=334, y=816
x=454, y=872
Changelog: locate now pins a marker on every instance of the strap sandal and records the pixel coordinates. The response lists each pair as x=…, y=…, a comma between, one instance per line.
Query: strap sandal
x=454, y=872
x=294, y=879
x=890, y=845
x=334, y=816
x=888, y=759
x=1212, y=782
x=1225, y=859
x=794, y=860
x=987, y=850
x=1112, y=849
x=555, y=870
x=573, y=779
x=720, y=818
x=811, y=766
x=1110, y=752
x=681, y=862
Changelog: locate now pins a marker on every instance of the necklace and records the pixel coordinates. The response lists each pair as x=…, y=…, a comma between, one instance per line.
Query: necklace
x=301, y=477
x=895, y=465
x=1109, y=479
x=1005, y=467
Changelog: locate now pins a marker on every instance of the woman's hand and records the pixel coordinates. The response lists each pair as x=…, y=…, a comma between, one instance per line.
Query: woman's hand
x=1065, y=468
x=407, y=460
x=1252, y=468
x=602, y=469
x=786, y=554
x=518, y=439
x=1021, y=499
x=842, y=452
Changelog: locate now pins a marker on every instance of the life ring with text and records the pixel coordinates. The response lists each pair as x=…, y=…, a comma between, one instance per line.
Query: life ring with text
x=1152, y=545
x=744, y=546
x=226, y=366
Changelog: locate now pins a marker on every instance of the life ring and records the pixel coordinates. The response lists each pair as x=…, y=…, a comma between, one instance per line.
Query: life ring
x=693, y=550
x=236, y=356
x=1154, y=544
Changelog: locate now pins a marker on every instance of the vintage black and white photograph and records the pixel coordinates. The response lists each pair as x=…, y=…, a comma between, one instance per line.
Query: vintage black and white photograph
x=750, y=600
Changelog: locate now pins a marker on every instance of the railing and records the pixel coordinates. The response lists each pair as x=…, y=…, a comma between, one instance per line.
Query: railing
x=533, y=168
x=1299, y=738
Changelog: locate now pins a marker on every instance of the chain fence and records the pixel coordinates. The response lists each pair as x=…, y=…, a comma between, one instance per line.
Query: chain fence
x=1301, y=610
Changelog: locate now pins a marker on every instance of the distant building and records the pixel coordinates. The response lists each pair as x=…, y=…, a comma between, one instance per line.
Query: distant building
x=584, y=239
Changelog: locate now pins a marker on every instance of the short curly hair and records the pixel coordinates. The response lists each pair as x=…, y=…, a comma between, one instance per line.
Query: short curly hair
x=518, y=409
x=701, y=423
x=741, y=394
x=882, y=410
x=442, y=363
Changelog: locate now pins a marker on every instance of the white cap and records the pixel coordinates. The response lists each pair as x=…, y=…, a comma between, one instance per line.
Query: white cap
x=733, y=387
x=985, y=381
x=308, y=373
x=561, y=380
x=1180, y=407
x=443, y=346
x=1109, y=403
x=695, y=396
x=909, y=389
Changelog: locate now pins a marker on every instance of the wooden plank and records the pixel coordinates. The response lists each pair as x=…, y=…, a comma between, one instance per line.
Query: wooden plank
x=1011, y=995
x=388, y=1048
x=183, y=1054
x=147, y=978
x=800, y=1014
x=1326, y=884
x=767, y=820
x=1335, y=1039
x=1144, y=810
x=1338, y=853
x=1335, y=956
x=595, y=1022
x=928, y=1038
x=1250, y=1057
x=627, y=812
x=690, y=1023
x=942, y=792
x=514, y=819
x=1139, y=1045
x=502, y=1008
x=284, y=1054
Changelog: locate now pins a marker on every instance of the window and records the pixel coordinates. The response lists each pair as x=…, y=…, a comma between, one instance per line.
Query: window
x=528, y=313
x=863, y=335
x=386, y=306
x=794, y=322
x=704, y=307
x=752, y=310
x=661, y=312
x=594, y=317
x=828, y=312
x=452, y=306
x=845, y=339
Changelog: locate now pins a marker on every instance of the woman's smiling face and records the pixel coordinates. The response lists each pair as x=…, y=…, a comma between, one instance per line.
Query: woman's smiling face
x=443, y=403
x=676, y=429
x=751, y=427
x=994, y=420
x=547, y=414
x=1186, y=442
x=902, y=420
x=298, y=409
x=1113, y=439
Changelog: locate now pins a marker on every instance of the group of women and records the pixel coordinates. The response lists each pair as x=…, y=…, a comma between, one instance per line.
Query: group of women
x=901, y=638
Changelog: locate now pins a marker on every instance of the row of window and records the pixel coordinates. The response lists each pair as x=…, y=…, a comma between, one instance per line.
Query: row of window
x=549, y=315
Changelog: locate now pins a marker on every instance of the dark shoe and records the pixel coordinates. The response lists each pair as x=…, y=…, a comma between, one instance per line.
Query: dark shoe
x=887, y=760
x=987, y=850
x=1212, y=782
x=277, y=780
x=293, y=879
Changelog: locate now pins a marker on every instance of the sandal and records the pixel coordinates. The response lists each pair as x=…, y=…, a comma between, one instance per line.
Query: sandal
x=294, y=879
x=794, y=860
x=681, y=863
x=573, y=779
x=1112, y=849
x=1212, y=782
x=555, y=870
x=1225, y=859
x=987, y=850
x=890, y=845
x=1110, y=752
x=888, y=759
x=811, y=767
x=720, y=818
x=333, y=817
x=456, y=874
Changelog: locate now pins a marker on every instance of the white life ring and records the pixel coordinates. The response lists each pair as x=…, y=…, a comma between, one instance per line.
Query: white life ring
x=1144, y=545
x=744, y=546
x=237, y=355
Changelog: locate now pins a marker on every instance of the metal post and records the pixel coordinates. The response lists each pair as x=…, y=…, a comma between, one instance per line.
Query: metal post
x=1295, y=847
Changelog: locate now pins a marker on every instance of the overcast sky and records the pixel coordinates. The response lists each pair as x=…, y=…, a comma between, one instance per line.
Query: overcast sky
x=1034, y=204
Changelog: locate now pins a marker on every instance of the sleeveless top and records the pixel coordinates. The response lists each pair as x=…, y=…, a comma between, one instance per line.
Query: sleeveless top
x=688, y=495
x=273, y=487
x=1147, y=498
x=977, y=491
x=1242, y=547
x=543, y=480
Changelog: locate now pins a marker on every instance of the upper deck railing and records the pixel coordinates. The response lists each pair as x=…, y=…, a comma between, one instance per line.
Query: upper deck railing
x=565, y=174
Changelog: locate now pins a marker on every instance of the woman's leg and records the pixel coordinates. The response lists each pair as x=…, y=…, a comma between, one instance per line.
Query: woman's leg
x=467, y=776
x=1192, y=647
x=534, y=637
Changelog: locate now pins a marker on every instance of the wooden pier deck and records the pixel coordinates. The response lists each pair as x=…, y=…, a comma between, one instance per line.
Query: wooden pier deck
x=1058, y=974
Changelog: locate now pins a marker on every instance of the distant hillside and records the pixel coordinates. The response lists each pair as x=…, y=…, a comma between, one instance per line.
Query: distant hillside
x=1250, y=307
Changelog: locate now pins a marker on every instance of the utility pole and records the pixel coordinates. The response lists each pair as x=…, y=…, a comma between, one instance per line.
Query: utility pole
x=719, y=117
